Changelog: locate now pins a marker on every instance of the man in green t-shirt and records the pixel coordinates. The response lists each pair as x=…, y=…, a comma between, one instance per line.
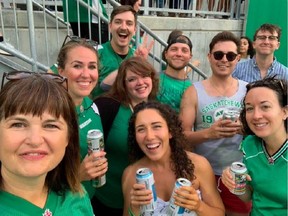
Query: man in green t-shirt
x=122, y=27
x=174, y=80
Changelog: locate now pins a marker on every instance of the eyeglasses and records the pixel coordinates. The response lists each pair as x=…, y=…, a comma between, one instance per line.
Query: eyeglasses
x=79, y=39
x=17, y=75
x=230, y=56
x=264, y=37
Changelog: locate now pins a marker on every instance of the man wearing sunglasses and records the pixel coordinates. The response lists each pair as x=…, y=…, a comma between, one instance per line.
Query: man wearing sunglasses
x=201, y=112
x=266, y=41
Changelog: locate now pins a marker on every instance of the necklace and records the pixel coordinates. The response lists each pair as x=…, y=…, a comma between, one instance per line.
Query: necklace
x=222, y=94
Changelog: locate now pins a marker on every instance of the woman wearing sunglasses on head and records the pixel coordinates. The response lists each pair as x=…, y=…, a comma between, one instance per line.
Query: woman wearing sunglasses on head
x=78, y=62
x=39, y=148
x=202, y=107
x=264, y=119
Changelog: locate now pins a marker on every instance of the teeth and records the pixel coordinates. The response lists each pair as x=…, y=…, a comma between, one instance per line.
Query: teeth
x=260, y=125
x=151, y=146
x=84, y=83
x=33, y=154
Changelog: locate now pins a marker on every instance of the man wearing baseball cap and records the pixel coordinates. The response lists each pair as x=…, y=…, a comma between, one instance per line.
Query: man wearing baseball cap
x=174, y=80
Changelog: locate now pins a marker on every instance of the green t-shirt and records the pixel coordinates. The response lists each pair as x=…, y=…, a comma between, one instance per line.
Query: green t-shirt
x=56, y=205
x=83, y=12
x=171, y=90
x=269, y=177
x=109, y=62
x=116, y=147
x=89, y=119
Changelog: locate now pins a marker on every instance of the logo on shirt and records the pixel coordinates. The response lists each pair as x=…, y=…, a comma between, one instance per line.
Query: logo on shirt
x=47, y=213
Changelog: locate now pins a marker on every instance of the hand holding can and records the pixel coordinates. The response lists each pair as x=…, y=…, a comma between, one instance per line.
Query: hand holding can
x=145, y=176
x=238, y=171
x=96, y=144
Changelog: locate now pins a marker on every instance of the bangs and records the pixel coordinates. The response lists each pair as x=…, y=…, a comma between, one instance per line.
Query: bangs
x=32, y=96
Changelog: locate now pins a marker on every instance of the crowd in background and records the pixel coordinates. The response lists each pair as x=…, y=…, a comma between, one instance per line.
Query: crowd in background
x=153, y=119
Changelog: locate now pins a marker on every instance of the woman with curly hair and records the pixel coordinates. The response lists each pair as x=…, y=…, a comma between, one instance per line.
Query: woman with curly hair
x=156, y=142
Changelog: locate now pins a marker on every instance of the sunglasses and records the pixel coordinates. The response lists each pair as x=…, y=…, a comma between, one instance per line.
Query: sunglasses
x=230, y=56
x=17, y=75
x=79, y=39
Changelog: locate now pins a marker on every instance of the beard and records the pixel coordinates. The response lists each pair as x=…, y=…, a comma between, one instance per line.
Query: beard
x=174, y=67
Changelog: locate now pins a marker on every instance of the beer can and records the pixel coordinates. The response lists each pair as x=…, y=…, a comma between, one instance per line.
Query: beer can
x=96, y=144
x=231, y=113
x=145, y=176
x=173, y=209
x=238, y=171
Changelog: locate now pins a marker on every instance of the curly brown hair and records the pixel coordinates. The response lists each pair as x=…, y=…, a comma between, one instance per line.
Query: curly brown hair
x=181, y=165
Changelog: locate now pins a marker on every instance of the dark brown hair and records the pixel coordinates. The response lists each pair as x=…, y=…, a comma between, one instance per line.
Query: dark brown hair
x=270, y=28
x=280, y=89
x=181, y=165
x=36, y=95
x=224, y=36
x=123, y=9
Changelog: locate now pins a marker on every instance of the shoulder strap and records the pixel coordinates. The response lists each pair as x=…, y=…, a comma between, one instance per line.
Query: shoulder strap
x=108, y=109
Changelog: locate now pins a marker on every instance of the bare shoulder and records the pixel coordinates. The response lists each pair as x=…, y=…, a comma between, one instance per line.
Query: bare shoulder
x=199, y=161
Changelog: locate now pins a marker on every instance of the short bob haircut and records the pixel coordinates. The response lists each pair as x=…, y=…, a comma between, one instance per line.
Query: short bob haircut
x=35, y=95
x=278, y=86
x=139, y=66
x=181, y=165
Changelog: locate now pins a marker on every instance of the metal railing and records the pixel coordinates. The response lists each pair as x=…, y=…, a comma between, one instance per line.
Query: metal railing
x=47, y=30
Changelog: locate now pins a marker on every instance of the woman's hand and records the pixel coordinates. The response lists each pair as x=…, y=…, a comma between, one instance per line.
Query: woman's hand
x=187, y=197
x=139, y=196
x=227, y=179
x=93, y=166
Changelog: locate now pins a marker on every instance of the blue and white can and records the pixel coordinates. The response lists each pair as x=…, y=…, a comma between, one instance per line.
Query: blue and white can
x=145, y=176
x=173, y=209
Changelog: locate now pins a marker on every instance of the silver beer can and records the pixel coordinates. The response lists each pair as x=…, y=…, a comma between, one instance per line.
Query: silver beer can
x=145, y=176
x=238, y=171
x=95, y=142
x=231, y=113
x=173, y=209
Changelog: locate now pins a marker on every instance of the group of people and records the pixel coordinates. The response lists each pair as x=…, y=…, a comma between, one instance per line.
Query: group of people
x=45, y=118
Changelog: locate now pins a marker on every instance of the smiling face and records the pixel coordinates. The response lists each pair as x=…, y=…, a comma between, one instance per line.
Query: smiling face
x=122, y=28
x=178, y=56
x=152, y=134
x=31, y=146
x=138, y=87
x=244, y=46
x=81, y=72
x=223, y=67
x=264, y=115
x=266, y=46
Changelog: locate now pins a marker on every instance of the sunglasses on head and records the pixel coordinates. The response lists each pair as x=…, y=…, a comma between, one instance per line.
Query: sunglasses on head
x=230, y=56
x=79, y=39
x=17, y=75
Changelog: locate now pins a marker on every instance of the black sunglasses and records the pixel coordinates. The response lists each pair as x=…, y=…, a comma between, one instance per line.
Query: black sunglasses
x=17, y=75
x=230, y=56
x=79, y=39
